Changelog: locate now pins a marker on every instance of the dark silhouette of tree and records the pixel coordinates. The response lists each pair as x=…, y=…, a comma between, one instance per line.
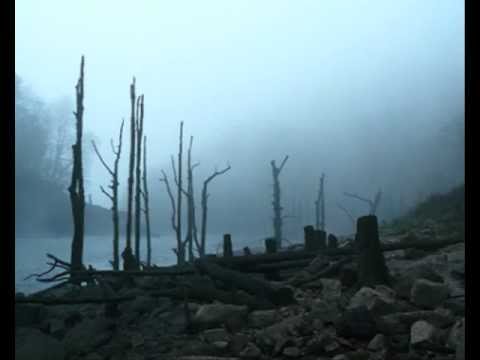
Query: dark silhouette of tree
x=372, y=203
x=320, y=206
x=146, y=209
x=139, y=133
x=113, y=196
x=277, y=208
x=205, y=196
x=76, y=189
x=129, y=261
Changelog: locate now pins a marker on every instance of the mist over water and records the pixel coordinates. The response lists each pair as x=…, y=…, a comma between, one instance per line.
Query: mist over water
x=371, y=93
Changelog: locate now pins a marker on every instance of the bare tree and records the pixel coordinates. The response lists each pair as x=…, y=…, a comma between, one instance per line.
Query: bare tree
x=76, y=189
x=372, y=203
x=191, y=223
x=350, y=216
x=139, y=133
x=205, y=196
x=146, y=210
x=277, y=208
x=320, y=206
x=129, y=261
x=113, y=196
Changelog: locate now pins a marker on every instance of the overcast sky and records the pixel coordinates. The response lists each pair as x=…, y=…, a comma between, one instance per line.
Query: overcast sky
x=343, y=87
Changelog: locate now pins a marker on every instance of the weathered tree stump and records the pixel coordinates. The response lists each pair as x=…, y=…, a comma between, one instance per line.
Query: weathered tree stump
x=309, y=237
x=270, y=245
x=371, y=263
x=320, y=237
x=332, y=241
x=227, y=245
x=246, y=251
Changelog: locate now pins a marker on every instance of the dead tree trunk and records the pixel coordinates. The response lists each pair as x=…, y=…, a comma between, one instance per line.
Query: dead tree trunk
x=114, y=195
x=277, y=208
x=191, y=224
x=146, y=210
x=373, y=204
x=204, y=208
x=227, y=245
x=178, y=180
x=129, y=261
x=76, y=189
x=371, y=263
x=139, y=133
x=320, y=206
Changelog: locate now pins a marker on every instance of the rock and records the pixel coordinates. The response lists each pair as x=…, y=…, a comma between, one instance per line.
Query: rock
x=404, y=280
x=414, y=254
x=88, y=335
x=331, y=289
x=318, y=263
x=324, y=311
x=56, y=328
x=324, y=343
x=288, y=327
x=263, y=318
x=291, y=352
x=428, y=294
x=238, y=343
x=456, y=305
x=212, y=315
x=460, y=350
x=348, y=275
x=215, y=335
x=29, y=315
x=358, y=355
x=377, y=302
x=379, y=342
x=455, y=334
x=221, y=345
x=340, y=357
x=422, y=334
x=251, y=351
x=33, y=344
x=141, y=305
x=357, y=322
x=400, y=323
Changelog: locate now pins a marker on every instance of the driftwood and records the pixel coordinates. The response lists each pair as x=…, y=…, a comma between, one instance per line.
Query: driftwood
x=259, y=288
x=249, y=262
x=86, y=300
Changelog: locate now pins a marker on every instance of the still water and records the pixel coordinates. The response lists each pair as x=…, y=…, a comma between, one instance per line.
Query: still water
x=30, y=254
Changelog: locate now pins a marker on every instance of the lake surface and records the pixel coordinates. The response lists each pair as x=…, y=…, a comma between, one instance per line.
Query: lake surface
x=30, y=254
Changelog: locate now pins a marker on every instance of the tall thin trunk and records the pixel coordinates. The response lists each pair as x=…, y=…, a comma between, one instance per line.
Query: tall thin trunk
x=320, y=206
x=139, y=133
x=180, y=247
x=277, y=208
x=76, y=189
x=145, y=201
x=204, y=208
x=114, y=195
x=129, y=261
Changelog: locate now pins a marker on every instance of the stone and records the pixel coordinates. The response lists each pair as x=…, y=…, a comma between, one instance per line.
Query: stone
x=428, y=294
x=325, y=311
x=460, y=349
x=377, y=302
x=88, y=335
x=331, y=289
x=28, y=315
x=33, y=344
x=250, y=352
x=262, y=318
x=238, y=343
x=348, y=275
x=405, y=279
x=358, y=323
x=455, y=334
x=221, y=345
x=379, y=342
x=291, y=352
x=400, y=323
x=214, y=335
x=213, y=315
x=422, y=333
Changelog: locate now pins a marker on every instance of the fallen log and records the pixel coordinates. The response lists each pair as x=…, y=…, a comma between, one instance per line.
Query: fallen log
x=259, y=288
x=89, y=300
x=249, y=263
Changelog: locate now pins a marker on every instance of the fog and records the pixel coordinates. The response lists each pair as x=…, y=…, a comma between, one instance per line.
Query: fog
x=371, y=93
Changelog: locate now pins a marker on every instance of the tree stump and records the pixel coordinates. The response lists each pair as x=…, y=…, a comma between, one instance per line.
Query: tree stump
x=320, y=237
x=246, y=251
x=227, y=245
x=270, y=245
x=315, y=239
x=332, y=241
x=371, y=263
x=309, y=237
